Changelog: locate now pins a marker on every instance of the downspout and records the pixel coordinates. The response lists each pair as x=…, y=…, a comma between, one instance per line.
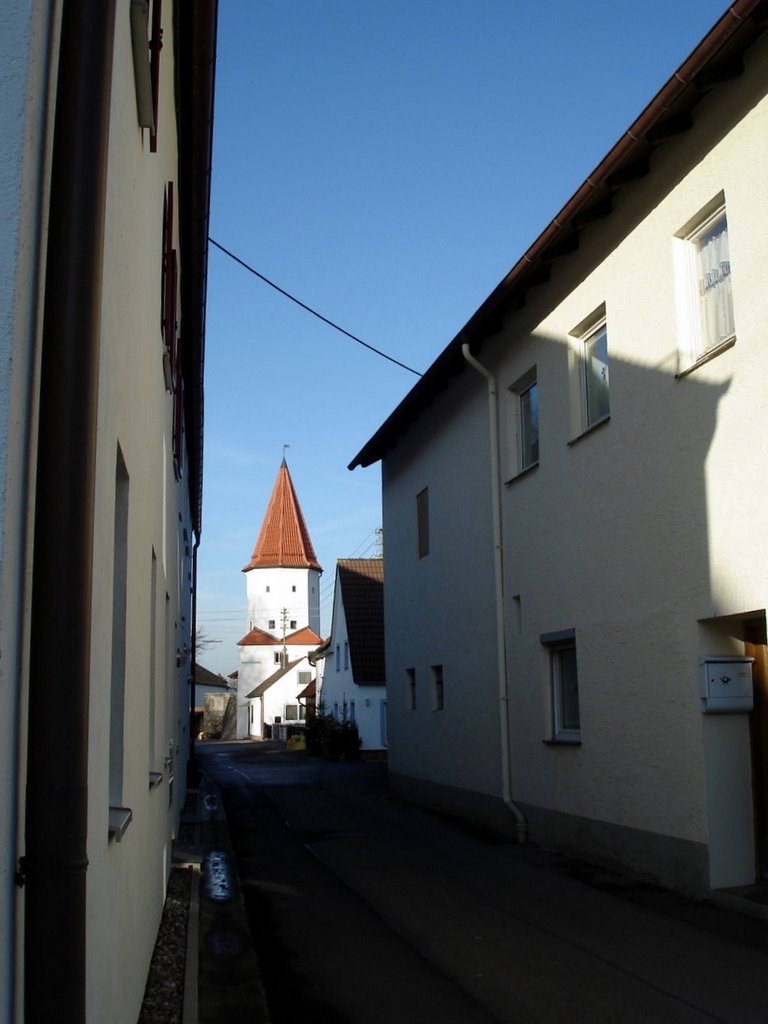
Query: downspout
x=191, y=765
x=498, y=564
x=60, y=651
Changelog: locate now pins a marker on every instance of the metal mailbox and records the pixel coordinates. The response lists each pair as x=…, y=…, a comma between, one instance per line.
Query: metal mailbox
x=726, y=685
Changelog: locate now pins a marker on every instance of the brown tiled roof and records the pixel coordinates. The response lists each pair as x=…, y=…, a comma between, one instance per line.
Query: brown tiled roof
x=258, y=638
x=204, y=677
x=310, y=690
x=304, y=636
x=284, y=539
x=362, y=591
x=262, y=688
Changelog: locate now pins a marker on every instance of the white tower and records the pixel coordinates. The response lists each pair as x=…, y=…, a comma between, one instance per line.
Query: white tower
x=283, y=593
x=283, y=575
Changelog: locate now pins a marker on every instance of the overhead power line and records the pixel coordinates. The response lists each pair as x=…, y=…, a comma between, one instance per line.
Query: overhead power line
x=309, y=309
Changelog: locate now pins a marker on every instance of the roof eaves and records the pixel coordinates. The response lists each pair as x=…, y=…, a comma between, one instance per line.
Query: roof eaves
x=715, y=60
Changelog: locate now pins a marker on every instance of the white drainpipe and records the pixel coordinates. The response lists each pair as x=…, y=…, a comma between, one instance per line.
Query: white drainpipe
x=501, y=627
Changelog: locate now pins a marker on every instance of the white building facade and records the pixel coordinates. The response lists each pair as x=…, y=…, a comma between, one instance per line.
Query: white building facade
x=576, y=549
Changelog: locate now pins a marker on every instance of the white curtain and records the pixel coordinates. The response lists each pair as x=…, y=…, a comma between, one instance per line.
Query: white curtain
x=714, y=275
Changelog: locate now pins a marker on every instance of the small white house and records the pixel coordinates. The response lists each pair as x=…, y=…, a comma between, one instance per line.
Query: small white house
x=354, y=676
x=263, y=659
x=277, y=703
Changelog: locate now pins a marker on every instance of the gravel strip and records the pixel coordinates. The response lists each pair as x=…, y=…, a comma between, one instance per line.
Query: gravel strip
x=164, y=994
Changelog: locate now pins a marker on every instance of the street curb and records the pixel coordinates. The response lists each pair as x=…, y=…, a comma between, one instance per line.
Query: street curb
x=189, y=1014
x=224, y=973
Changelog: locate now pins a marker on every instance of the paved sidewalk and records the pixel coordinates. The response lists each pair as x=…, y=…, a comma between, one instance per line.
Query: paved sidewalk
x=223, y=979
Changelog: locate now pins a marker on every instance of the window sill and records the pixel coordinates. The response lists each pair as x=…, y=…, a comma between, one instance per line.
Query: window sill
x=119, y=820
x=590, y=430
x=563, y=741
x=155, y=779
x=523, y=472
x=712, y=353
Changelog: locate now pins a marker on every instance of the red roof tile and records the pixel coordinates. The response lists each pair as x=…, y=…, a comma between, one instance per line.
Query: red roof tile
x=310, y=690
x=304, y=636
x=258, y=637
x=284, y=539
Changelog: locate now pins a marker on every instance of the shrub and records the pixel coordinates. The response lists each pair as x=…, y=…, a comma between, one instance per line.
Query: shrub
x=331, y=739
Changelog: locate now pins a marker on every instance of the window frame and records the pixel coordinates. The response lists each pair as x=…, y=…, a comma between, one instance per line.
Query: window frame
x=591, y=418
x=438, y=688
x=410, y=689
x=558, y=645
x=526, y=446
x=695, y=345
x=422, y=523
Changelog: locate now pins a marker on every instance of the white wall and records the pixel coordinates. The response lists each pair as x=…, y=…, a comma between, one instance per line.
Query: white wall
x=295, y=590
x=439, y=610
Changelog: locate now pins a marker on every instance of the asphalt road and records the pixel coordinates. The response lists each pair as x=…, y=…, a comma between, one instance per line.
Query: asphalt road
x=364, y=909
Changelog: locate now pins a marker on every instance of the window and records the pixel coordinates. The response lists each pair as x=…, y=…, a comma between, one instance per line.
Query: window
x=564, y=686
x=352, y=711
x=291, y=712
x=595, y=374
x=410, y=688
x=293, y=624
x=271, y=624
x=346, y=654
x=338, y=658
x=119, y=621
x=422, y=522
x=437, y=687
x=705, y=299
x=155, y=45
x=525, y=395
x=293, y=589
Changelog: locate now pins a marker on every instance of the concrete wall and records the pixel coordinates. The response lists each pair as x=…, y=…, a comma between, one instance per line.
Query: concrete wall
x=631, y=535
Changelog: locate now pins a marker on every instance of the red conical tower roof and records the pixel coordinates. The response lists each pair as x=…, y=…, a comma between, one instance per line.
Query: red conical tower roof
x=284, y=541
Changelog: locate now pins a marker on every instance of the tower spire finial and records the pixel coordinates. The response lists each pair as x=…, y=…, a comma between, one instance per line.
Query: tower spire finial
x=284, y=448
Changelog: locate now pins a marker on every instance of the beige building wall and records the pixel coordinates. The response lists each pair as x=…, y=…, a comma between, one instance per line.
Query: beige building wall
x=646, y=535
x=127, y=878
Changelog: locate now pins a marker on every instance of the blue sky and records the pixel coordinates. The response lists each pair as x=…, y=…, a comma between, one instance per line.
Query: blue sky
x=386, y=163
